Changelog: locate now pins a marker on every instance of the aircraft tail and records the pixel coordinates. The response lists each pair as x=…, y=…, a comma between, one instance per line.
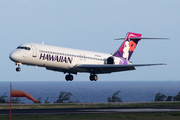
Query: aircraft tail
x=128, y=46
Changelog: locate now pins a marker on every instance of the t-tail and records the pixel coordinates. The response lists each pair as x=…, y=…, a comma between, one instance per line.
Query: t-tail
x=128, y=46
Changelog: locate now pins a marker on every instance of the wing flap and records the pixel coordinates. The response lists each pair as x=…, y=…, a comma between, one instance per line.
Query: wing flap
x=114, y=66
x=99, y=69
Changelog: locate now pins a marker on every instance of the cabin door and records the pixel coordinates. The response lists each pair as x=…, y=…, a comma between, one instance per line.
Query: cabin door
x=34, y=51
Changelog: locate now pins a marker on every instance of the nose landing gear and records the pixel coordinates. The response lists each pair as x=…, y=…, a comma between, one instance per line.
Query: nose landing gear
x=18, y=69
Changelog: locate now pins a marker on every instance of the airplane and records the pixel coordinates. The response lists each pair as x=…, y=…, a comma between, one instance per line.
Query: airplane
x=72, y=61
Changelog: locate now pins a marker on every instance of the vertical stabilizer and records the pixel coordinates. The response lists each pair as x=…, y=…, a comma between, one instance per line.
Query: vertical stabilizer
x=128, y=46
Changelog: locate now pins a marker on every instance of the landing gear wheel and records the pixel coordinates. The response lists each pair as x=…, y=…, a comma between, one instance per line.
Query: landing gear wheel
x=93, y=77
x=69, y=77
x=18, y=69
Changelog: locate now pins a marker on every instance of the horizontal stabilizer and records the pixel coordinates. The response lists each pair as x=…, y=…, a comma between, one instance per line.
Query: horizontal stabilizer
x=138, y=38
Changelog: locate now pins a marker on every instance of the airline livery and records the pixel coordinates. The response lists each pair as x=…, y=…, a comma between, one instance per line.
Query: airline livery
x=72, y=61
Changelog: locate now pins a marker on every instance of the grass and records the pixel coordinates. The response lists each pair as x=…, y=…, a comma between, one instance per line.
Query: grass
x=118, y=116
x=87, y=105
x=127, y=116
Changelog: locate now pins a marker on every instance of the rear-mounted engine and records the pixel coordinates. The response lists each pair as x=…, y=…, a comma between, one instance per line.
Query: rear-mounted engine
x=110, y=60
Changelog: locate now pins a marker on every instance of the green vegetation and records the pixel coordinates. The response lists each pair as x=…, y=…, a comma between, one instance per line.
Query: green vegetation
x=115, y=97
x=64, y=97
x=39, y=100
x=89, y=105
x=127, y=116
x=3, y=98
x=46, y=101
x=162, y=97
x=177, y=97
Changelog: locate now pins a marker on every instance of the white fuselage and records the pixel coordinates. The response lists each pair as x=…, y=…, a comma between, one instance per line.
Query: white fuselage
x=61, y=58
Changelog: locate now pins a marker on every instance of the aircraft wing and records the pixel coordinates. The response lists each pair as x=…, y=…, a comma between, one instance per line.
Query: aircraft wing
x=99, y=69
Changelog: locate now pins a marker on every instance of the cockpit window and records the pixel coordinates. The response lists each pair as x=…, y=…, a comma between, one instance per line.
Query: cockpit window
x=25, y=48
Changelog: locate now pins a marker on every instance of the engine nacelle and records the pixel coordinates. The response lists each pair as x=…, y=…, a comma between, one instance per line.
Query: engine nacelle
x=110, y=60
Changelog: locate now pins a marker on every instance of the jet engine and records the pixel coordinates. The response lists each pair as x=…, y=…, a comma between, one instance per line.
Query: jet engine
x=110, y=60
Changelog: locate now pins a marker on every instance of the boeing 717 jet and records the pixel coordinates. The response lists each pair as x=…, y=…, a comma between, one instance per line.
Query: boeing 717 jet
x=72, y=61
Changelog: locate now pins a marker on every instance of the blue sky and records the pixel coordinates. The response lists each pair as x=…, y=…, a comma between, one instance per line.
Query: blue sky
x=92, y=25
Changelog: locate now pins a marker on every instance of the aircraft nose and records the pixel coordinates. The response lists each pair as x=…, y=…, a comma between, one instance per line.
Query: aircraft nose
x=13, y=56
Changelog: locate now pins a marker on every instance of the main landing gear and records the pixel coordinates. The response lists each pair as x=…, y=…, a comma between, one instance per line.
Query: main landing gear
x=18, y=69
x=93, y=77
x=69, y=77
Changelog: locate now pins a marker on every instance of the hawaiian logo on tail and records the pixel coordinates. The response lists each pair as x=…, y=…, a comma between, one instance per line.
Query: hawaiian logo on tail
x=127, y=48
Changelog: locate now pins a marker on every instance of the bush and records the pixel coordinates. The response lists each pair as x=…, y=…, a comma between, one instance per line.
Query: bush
x=169, y=98
x=39, y=100
x=177, y=97
x=2, y=98
x=46, y=101
x=160, y=97
x=63, y=97
x=17, y=100
x=114, y=98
